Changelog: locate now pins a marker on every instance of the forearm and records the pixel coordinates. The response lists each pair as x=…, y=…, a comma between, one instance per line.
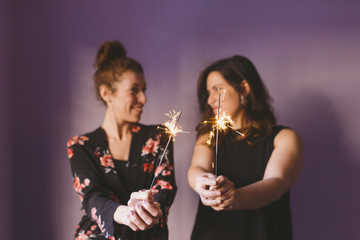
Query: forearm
x=259, y=194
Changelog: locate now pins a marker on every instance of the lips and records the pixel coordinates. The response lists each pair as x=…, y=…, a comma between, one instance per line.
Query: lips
x=215, y=109
x=138, y=108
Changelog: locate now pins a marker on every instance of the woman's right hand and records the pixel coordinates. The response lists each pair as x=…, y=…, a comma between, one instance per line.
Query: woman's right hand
x=141, y=213
x=205, y=186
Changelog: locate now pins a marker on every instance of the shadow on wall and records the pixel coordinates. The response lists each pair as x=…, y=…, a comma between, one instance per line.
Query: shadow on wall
x=325, y=200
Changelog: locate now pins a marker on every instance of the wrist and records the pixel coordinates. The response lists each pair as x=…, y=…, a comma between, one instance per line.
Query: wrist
x=157, y=204
x=236, y=205
x=120, y=214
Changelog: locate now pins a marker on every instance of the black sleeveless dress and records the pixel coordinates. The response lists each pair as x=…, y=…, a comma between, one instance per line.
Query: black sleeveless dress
x=244, y=164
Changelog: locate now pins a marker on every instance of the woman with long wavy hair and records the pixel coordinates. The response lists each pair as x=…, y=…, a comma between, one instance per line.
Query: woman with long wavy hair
x=258, y=160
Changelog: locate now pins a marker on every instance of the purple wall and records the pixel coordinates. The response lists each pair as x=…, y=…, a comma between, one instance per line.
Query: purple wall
x=5, y=118
x=307, y=53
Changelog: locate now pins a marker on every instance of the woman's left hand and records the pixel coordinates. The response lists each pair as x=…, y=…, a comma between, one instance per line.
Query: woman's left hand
x=226, y=187
x=148, y=212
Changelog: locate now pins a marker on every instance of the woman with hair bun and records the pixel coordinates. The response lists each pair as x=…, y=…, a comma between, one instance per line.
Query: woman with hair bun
x=257, y=164
x=114, y=164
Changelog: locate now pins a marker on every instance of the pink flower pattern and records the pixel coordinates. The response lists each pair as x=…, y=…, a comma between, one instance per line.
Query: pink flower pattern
x=158, y=170
x=70, y=153
x=82, y=236
x=163, y=185
x=78, y=186
x=135, y=128
x=164, y=169
x=151, y=146
x=148, y=167
x=166, y=173
x=97, y=219
x=77, y=139
x=106, y=161
x=150, y=151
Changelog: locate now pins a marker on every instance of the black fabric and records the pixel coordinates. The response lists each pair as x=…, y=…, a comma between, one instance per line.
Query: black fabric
x=102, y=187
x=127, y=175
x=245, y=164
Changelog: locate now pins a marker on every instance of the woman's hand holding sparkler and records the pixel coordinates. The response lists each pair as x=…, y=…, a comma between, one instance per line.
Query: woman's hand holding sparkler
x=147, y=213
x=216, y=192
x=205, y=185
x=141, y=213
x=226, y=198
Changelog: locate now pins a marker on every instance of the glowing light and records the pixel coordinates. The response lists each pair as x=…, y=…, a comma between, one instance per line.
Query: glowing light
x=223, y=122
x=219, y=123
x=172, y=128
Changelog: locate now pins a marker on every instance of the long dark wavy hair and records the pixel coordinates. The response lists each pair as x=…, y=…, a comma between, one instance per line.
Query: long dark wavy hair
x=258, y=117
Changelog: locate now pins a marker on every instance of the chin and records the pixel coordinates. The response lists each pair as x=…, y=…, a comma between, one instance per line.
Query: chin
x=135, y=119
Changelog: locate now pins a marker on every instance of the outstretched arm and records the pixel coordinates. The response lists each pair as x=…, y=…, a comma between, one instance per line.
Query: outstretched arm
x=200, y=174
x=280, y=174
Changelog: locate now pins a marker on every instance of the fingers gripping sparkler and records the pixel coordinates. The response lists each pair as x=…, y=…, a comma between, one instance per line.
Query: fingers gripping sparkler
x=172, y=128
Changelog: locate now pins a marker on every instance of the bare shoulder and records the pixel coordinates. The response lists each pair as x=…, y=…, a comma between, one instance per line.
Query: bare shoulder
x=202, y=140
x=287, y=136
x=285, y=162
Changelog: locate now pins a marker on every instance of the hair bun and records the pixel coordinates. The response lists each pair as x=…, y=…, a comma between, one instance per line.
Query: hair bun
x=108, y=52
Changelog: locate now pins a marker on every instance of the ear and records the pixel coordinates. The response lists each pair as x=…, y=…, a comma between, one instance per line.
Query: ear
x=105, y=93
x=245, y=86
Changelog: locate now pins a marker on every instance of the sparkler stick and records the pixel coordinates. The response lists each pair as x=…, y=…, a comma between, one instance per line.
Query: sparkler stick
x=172, y=128
x=221, y=122
x=217, y=138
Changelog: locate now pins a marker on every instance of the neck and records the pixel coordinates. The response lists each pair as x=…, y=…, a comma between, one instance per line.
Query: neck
x=115, y=129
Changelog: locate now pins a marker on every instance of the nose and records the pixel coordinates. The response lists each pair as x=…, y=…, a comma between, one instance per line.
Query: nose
x=211, y=99
x=142, y=97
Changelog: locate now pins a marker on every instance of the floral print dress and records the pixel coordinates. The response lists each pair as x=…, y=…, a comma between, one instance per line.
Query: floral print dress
x=102, y=188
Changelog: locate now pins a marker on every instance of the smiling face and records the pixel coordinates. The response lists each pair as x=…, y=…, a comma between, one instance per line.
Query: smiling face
x=127, y=101
x=230, y=98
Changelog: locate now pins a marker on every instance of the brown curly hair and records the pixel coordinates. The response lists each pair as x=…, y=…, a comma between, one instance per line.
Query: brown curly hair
x=111, y=62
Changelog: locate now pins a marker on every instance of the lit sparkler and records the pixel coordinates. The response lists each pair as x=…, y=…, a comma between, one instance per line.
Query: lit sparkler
x=221, y=122
x=172, y=128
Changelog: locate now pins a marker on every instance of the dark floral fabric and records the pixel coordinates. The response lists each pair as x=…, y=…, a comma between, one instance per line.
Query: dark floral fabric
x=99, y=185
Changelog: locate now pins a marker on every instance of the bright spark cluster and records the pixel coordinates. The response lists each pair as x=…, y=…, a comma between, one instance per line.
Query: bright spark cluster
x=222, y=123
x=172, y=127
